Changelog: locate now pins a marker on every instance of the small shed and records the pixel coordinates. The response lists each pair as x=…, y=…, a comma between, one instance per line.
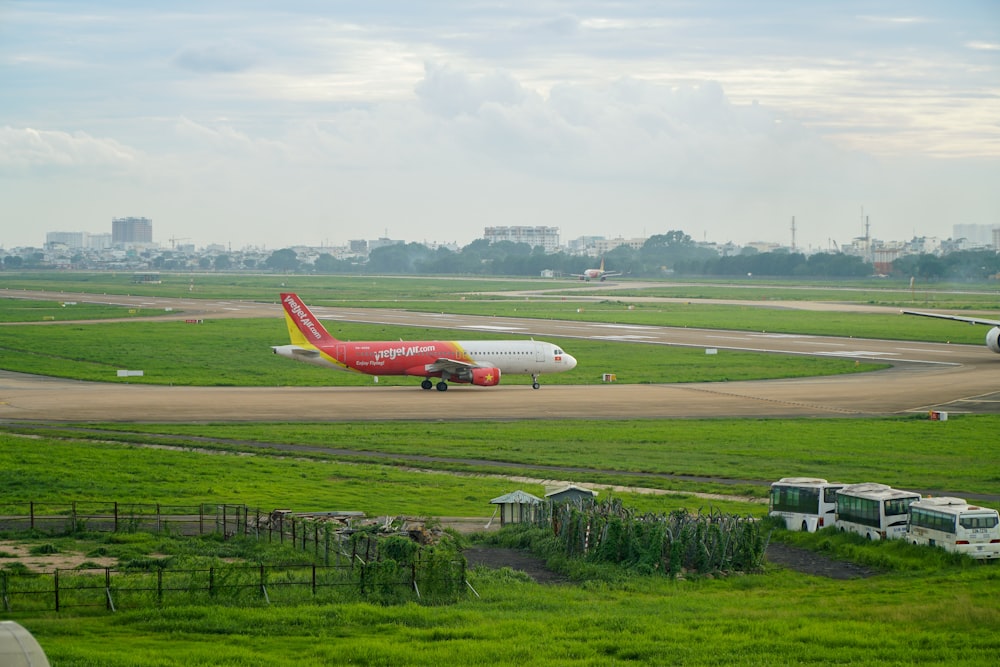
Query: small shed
x=571, y=494
x=19, y=648
x=517, y=507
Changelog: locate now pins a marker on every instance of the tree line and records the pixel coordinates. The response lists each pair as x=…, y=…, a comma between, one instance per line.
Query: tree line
x=662, y=255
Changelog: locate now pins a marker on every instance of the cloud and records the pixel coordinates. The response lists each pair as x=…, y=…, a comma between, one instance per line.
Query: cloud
x=449, y=92
x=27, y=148
x=983, y=46
x=216, y=57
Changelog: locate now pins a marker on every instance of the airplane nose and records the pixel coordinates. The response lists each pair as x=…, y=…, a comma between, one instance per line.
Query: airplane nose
x=570, y=361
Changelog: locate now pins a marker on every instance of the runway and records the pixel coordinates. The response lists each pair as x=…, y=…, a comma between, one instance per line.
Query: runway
x=924, y=376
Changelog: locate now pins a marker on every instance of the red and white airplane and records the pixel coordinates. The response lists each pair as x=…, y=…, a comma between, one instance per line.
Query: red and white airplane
x=597, y=274
x=478, y=362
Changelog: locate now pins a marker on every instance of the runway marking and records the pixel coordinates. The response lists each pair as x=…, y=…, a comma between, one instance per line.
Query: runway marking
x=622, y=337
x=626, y=326
x=917, y=349
x=490, y=327
x=779, y=335
x=857, y=353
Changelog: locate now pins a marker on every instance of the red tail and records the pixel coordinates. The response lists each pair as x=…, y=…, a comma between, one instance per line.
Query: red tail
x=303, y=326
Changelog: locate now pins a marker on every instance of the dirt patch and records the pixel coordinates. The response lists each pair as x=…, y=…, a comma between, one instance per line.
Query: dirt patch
x=15, y=552
x=792, y=558
x=516, y=559
x=810, y=562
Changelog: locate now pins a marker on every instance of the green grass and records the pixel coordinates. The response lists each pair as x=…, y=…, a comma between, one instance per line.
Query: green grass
x=26, y=310
x=932, y=455
x=696, y=315
x=237, y=353
x=779, y=617
x=908, y=615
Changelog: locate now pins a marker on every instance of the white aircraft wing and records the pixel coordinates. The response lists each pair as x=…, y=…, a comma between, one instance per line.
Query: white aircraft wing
x=957, y=318
x=452, y=366
x=295, y=351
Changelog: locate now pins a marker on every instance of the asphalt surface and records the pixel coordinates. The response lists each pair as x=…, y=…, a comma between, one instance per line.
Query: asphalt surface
x=924, y=376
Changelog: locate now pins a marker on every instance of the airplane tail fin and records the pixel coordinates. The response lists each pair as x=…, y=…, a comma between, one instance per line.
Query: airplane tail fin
x=602, y=265
x=303, y=326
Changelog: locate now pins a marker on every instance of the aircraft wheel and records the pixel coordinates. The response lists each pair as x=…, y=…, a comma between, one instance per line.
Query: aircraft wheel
x=426, y=384
x=535, y=385
x=442, y=386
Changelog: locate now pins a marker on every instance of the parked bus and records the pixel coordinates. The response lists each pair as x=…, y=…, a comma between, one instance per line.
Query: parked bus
x=805, y=503
x=877, y=511
x=953, y=524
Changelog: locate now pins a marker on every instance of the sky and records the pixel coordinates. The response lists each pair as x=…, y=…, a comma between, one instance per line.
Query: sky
x=270, y=125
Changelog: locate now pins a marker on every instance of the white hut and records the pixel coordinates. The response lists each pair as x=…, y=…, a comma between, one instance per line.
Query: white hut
x=517, y=507
x=18, y=648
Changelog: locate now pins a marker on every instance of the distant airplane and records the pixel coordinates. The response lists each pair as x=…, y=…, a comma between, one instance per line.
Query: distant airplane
x=478, y=362
x=992, y=336
x=596, y=274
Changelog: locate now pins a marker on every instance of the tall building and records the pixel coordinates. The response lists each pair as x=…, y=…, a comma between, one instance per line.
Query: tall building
x=131, y=230
x=73, y=240
x=546, y=237
x=976, y=236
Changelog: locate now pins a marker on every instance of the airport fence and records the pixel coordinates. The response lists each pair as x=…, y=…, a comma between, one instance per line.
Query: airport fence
x=380, y=560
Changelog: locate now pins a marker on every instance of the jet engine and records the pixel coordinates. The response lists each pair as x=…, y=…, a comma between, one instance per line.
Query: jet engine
x=993, y=339
x=485, y=377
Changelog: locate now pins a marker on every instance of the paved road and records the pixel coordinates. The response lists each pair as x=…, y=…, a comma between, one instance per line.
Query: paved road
x=924, y=376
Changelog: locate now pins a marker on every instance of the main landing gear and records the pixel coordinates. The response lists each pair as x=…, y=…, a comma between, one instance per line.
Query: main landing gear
x=427, y=384
x=443, y=386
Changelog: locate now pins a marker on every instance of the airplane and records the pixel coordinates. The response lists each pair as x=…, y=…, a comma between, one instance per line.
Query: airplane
x=992, y=336
x=600, y=274
x=476, y=362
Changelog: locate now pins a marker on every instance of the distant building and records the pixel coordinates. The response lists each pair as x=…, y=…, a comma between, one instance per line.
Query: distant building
x=383, y=242
x=604, y=246
x=128, y=231
x=546, y=237
x=72, y=240
x=976, y=236
x=99, y=241
x=584, y=245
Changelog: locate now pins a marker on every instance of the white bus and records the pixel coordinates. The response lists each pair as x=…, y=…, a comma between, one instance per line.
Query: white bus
x=955, y=525
x=805, y=503
x=877, y=511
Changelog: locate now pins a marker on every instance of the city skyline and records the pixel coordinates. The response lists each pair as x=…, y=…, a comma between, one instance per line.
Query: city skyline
x=313, y=124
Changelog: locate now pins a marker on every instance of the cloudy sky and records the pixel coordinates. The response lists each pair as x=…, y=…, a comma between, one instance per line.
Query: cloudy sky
x=270, y=124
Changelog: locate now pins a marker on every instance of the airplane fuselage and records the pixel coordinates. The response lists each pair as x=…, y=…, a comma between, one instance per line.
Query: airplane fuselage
x=414, y=357
x=478, y=362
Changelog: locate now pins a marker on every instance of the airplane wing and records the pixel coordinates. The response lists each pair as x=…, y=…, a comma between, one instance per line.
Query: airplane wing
x=957, y=318
x=296, y=351
x=612, y=274
x=453, y=366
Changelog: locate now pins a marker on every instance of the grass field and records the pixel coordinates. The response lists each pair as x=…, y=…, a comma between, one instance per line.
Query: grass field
x=896, y=617
x=921, y=609
x=237, y=352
